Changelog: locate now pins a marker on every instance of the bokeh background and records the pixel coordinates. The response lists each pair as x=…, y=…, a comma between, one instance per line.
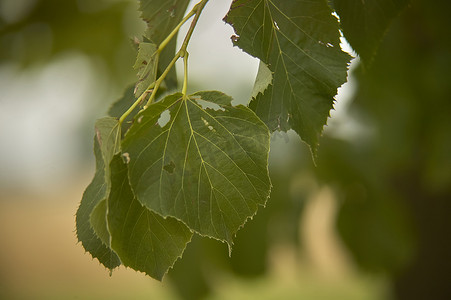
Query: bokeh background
x=371, y=220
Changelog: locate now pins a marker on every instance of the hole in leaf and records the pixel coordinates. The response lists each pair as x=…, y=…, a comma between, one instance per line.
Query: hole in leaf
x=170, y=167
x=164, y=118
x=206, y=104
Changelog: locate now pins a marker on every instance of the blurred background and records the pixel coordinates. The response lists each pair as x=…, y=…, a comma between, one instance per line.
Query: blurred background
x=370, y=221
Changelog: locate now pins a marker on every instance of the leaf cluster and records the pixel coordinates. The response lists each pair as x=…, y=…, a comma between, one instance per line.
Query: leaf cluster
x=171, y=165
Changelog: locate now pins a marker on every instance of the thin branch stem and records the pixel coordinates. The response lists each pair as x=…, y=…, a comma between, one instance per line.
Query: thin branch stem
x=153, y=87
x=185, y=74
x=160, y=79
x=136, y=103
x=175, y=31
x=198, y=9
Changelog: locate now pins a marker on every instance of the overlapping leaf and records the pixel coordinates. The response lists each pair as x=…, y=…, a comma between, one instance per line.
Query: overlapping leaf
x=113, y=226
x=299, y=42
x=206, y=165
x=143, y=240
x=93, y=220
x=365, y=22
x=93, y=195
x=162, y=16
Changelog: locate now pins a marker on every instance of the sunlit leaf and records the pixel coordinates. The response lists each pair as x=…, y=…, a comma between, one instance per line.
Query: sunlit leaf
x=263, y=79
x=144, y=240
x=300, y=43
x=205, y=164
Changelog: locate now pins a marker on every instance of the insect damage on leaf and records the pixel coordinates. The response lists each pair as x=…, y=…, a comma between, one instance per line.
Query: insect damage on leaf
x=205, y=167
x=286, y=36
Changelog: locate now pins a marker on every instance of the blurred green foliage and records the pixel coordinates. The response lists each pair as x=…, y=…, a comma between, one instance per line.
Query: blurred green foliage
x=394, y=183
x=35, y=31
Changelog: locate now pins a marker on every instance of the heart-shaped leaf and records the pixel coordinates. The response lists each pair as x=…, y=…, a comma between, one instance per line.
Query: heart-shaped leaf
x=205, y=164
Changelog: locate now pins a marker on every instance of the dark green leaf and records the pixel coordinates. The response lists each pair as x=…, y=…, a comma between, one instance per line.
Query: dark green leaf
x=144, y=240
x=365, y=22
x=122, y=104
x=204, y=166
x=93, y=195
x=162, y=16
x=300, y=43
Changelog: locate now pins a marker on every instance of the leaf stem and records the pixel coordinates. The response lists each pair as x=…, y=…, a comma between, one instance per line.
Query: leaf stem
x=174, y=32
x=153, y=88
x=160, y=79
x=136, y=103
x=197, y=9
x=185, y=73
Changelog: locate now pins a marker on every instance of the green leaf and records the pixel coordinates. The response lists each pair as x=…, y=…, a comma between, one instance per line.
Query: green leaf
x=206, y=165
x=108, y=134
x=365, y=22
x=146, y=65
x=162, y=16
x=144, y=240
x=263, y=80
x=300, y=43
x=123, y=104
x=93, y=195
x=99, y=223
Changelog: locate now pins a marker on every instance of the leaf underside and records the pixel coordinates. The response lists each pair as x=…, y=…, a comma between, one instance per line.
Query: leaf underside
x=206, y=166
x=299, y=42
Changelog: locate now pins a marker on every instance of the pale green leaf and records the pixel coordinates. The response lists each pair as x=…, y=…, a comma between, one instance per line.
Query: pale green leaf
x=263, y=79
x=365, y=22
x=162, y=16
x=146, y=66
x=94, y=194
x=204, y=166
x=108, y=134
x=144, y=240
x=299, y=41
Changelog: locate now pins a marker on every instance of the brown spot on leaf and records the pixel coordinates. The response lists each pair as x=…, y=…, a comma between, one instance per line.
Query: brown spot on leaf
x=170, y=167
